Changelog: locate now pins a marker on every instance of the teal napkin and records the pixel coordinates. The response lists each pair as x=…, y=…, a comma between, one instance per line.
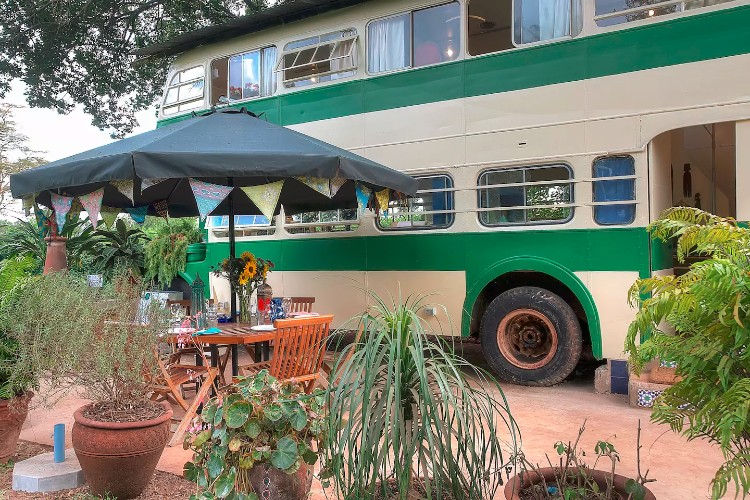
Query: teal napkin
x=207, y=331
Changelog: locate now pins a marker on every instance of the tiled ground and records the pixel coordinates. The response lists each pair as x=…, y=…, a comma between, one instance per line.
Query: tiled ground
x=545, y=415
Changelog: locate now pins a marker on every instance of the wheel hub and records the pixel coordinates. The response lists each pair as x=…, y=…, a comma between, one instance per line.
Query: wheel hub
x=527, y=338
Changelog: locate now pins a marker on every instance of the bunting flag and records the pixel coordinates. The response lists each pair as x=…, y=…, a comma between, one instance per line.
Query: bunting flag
x=208, y=196
x=42, y=220
x=75, y=209
x=363, y=197
x=162, y=208
x=147, y=183
x=109, y=215
x=265, y=197
x=92, y=203
x=125, y=187
x=336, y=184
x=61, y=205
x=319, y=184
x=138, y=214
x=383, y=197
x=28, y=203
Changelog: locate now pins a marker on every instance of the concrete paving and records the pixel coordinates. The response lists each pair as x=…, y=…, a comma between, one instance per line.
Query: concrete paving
x=40, y=474
x=683, y=470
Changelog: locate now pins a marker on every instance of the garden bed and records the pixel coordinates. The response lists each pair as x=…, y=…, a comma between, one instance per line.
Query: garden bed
x=163, y=486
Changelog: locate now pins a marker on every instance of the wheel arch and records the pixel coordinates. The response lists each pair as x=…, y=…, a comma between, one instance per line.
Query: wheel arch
x=537, y=268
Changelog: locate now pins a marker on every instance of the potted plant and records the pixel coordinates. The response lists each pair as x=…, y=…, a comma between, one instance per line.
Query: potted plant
x=408, y=418
x=572, y=478
x=709, y=310
x=171, y=246
x=258, y=439
x=100, y=343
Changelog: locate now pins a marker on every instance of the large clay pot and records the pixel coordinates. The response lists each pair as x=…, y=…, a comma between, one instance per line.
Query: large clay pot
x=515, y=485
x=56, y=259
x=119, y=458
x=271, y=483
x=12, y=416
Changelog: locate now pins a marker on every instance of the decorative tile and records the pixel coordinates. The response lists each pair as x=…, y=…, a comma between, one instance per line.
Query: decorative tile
x=667, y=364
x=647, y=397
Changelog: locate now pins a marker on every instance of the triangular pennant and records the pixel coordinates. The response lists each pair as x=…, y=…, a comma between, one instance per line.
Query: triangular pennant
x=42, y=219
x=125, y=187
x=208, y=196
x=61, y=205
x=109, y=215
x=92, y=203
x=162, y=208
x=319, y=184
x=147, y=183
x=336, y=184
x=383, y=197
x=265, y=197
x=138, y=214
x=363, y=197
x=28, y=203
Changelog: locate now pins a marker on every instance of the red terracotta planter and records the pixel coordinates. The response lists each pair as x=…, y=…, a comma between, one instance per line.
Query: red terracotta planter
x=515, y=485
x=119, y=458
x=12, y=416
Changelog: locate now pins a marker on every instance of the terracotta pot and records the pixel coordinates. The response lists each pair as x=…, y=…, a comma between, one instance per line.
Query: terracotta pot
x=56, y=259
x=271, y=483
x=515, y=485
x=12, y=416
x=119, y=458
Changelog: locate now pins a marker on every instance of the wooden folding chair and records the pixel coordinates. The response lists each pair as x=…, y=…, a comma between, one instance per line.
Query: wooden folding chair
x=299, y=347
x=302, y=304
x=166, y=387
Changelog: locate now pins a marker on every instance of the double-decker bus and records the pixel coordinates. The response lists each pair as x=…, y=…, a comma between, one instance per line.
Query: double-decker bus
x=545, y=135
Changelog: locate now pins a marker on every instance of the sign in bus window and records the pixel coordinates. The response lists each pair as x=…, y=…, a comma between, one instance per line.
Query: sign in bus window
x=431, y=208
x=531, y=195
x=615, y=190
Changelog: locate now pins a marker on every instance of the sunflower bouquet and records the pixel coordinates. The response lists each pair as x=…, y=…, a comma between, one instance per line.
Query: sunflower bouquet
x=245, y=274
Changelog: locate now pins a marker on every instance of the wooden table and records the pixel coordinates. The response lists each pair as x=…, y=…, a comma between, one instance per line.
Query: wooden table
x=234, y=335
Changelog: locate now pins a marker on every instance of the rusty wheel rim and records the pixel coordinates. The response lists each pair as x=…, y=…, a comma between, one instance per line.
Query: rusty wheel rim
x=527, y=339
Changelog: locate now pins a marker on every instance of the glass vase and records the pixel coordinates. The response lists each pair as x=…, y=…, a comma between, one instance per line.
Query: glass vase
x=245, y=313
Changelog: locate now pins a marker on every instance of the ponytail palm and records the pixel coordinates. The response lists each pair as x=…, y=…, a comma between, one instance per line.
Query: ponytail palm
x=404, y=409
x=709, y=309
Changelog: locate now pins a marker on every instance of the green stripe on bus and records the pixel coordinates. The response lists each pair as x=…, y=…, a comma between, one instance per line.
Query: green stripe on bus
x=687, y=39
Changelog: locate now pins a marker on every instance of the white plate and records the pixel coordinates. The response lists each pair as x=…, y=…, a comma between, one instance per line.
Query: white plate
x=262, y=328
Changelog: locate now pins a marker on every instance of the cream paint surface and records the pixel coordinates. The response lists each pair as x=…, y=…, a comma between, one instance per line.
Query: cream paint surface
x=343, y=293
x=743, y=169
x=610, y=292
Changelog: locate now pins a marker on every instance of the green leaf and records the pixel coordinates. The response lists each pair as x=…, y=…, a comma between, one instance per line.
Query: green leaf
x=634, y=488
x=274, y=412
x=237, y=414
x=214, y=466
x=252, y=428
x=201, y=438
x=285, y=454
x=235, y=443
x=225, y=483
x=191, y=472
x=298, y=418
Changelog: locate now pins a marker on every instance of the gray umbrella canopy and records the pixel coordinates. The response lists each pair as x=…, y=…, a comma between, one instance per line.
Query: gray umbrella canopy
x=228, y=147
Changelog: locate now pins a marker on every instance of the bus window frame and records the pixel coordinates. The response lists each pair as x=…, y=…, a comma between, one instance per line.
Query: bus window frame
x=228, y=58
x=177, y=103
x=542, y=42
x=452, y=190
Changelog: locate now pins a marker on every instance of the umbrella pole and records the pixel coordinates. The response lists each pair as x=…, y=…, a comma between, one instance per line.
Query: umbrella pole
x=232, y=252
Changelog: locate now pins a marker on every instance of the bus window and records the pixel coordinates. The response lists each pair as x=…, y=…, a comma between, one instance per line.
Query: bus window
x=611, y=12
x=244, y=225
x=531, y=195
x=414, y=39
x=244, y=76
x=329, y=221
x=489, y=26
x=431, y=208
x=185, y=91
x=544, y=20
x=616, y=190
x=319, y=58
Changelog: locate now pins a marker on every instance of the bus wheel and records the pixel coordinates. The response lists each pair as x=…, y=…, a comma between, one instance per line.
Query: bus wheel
x=531, y=336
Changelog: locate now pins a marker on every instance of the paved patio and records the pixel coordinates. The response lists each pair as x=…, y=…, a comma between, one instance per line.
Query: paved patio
x=545, y=415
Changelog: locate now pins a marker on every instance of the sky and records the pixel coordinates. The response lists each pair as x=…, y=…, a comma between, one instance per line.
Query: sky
x=58, y=136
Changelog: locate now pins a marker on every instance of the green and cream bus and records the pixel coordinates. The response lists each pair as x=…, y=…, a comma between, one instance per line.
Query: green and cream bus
x=545, y=134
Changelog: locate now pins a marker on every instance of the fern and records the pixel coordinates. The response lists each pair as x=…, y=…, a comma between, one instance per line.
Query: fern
x=709, y=309
x=166, y=257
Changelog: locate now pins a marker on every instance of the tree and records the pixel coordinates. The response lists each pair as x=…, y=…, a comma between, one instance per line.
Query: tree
x=78, y=52
x=15, y=154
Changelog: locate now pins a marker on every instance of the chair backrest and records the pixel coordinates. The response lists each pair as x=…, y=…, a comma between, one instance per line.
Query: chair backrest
x=299, y=348
x=302, y=304
x=186, y=304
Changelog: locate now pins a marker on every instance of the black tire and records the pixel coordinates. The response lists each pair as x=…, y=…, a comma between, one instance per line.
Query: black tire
x=541, y=341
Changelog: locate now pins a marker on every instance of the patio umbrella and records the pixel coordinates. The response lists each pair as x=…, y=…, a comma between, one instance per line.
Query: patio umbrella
x=193, y=168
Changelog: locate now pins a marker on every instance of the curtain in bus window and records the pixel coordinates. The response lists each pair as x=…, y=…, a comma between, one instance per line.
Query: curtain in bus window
x=614, y=190
x=388, y=44
x=540, y=20
x=268, y=75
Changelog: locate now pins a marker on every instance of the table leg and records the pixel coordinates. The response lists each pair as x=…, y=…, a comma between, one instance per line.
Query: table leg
x=258, y=354
x=235, y=361
x=266, y=348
